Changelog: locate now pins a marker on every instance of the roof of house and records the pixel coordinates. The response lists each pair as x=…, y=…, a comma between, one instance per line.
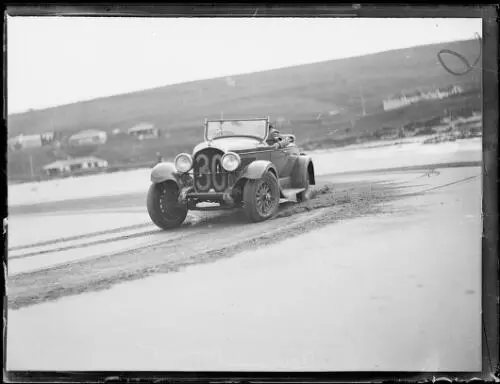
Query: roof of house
x=87, y=133
x=69, y=162
x=22, y=137
x=141, y=127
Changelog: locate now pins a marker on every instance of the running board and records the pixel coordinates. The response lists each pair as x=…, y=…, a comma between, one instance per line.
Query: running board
x=291, y=193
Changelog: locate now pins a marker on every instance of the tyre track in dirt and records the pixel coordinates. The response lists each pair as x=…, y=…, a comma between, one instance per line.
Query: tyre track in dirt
x=103, y=236
x=77, y=237
x=97, y=238
x=209, y=239
x=120, y=235
x=37, y=259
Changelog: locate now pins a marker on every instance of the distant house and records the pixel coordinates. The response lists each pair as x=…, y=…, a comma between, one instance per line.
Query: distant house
x=413, y=96
x=451, y=90
x=25, y=141
x=474, y=118
x=61, y=167
x=396, y=102
x=48, y=137
x=144, y=131
x=87, y=137
x=434, y=94
x=442, y=93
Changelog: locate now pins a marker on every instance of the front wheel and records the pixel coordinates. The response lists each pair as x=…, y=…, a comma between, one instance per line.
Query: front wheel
x=261, y=197
x=163, y=208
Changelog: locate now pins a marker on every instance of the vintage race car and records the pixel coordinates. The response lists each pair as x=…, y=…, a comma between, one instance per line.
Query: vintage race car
x=235, y=167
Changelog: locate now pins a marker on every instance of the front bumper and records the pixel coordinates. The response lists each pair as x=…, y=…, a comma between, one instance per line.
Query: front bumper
x=190, y=197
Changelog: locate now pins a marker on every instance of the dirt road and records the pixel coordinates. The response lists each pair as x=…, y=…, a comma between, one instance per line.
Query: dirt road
x=348, y=281
x=60, y=267
x=379, y=271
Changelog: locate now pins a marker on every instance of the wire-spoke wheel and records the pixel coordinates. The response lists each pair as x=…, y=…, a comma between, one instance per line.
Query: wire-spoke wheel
x=163, y=208
x=261, y=197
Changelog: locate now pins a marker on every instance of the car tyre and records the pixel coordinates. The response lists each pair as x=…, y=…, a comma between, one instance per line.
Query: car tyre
x=261, y=197
x=163, y=208
x=306, y=193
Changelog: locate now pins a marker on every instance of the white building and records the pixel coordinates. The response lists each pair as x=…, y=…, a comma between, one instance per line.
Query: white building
x=48, y=137
x=25, y=141
x=396, y=103
x=60, y=167
x=144, y=131
x=451, y=90
x=413, y=97
x=87, y=137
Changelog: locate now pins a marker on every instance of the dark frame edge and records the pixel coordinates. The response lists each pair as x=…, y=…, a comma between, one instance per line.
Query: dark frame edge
x=246, y=9
x=490, y=265
x=490, y=262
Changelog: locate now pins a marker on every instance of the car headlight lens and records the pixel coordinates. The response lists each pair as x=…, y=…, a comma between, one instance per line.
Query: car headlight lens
x=230, y=161
x=183, y=162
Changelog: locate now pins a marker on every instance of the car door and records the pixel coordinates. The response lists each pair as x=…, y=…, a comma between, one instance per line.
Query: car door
x=291, y=154
x=279, y=157
x=284, y=159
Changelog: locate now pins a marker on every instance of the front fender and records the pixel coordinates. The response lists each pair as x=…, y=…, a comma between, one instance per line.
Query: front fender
x=166, y=171
x=257, y=169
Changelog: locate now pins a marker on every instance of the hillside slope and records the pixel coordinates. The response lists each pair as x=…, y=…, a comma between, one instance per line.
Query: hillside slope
x=300, y=97
x=294, y=93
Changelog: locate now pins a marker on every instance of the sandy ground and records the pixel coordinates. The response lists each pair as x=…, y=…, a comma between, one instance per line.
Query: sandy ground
x=31, y=229
x=398, y=290
x=41, y=240
x=380, y=271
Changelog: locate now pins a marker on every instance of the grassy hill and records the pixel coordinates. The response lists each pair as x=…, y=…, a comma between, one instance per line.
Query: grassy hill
x=301, y=96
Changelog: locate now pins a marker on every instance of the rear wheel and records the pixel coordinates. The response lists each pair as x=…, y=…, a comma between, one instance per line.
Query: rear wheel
x=306, y=193
x=261, y=197
x=163, y=208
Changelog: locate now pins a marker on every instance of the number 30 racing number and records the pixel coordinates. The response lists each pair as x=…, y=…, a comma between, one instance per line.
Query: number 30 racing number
x=210, y=173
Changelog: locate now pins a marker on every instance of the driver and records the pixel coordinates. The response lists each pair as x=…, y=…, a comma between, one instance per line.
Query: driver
x=275, y=139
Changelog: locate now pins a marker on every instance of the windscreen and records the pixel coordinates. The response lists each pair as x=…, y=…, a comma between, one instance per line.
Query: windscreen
x=255, y=128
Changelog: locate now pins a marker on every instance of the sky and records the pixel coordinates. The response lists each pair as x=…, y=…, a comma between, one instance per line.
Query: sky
x=59, y=60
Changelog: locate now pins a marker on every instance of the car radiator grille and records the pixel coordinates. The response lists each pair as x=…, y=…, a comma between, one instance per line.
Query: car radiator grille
x=208, y=171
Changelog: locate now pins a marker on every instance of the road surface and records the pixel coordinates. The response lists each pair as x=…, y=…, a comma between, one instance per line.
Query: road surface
x=381, y=271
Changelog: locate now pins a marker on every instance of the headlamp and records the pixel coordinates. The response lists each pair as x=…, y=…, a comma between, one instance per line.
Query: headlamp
x=183, y=162
x=230, y=161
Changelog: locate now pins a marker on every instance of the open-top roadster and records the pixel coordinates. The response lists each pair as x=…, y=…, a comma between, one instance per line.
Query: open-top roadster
x=239, y=165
